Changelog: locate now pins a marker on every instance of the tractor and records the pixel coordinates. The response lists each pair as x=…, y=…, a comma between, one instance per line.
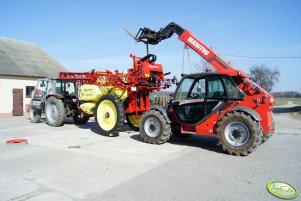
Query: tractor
x=58, y=99
x=224, y=103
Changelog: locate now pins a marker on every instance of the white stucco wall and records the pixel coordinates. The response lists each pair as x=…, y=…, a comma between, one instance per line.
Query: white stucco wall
x=7, y=84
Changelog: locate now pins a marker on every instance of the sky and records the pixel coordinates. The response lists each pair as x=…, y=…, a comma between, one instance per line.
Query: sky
x=85, y=34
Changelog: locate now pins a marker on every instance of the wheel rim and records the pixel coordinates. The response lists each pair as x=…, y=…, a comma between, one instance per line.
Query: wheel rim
x=106, y=115
x=134, y=121
x=237, y=134
x=152, y=127
x=51, y=112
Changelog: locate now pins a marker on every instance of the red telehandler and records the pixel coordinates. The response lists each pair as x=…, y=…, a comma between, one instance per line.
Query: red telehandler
x=225, y=103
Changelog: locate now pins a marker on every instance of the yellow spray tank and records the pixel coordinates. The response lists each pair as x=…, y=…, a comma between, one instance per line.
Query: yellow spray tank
x=90, y=94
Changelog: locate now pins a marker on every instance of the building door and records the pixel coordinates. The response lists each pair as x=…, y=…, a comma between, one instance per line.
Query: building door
x=17, y=102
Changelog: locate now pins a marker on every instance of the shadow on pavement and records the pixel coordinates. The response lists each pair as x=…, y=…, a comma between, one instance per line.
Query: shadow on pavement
x=281, y=110
x=92, y=125
x=89, y=125
x=204, y=142
x=296, y=109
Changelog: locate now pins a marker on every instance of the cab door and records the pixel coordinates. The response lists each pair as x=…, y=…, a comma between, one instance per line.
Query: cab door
x=200, y=96
x=216, y=94
x=189, y=100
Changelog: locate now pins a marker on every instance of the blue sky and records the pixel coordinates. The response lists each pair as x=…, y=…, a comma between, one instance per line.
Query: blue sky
x=83, y=35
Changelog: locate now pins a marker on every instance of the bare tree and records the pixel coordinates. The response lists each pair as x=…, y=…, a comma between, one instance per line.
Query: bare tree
x=264, y=76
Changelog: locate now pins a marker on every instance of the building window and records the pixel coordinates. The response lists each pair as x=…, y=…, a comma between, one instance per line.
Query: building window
x=29, y=89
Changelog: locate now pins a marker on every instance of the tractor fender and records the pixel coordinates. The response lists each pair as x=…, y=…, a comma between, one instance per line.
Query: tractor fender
x=162, y=110
x=248, y=111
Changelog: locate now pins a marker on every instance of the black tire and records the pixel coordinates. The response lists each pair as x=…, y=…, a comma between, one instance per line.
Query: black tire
x=131, y=125
x=109, y=109
x=55, y=112
x=80, y=118
x=34, y=115
x=238, y=125
x=266, y=137
x=153, y=128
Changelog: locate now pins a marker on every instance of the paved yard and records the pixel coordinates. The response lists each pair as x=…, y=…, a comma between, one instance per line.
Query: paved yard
x=50, y=167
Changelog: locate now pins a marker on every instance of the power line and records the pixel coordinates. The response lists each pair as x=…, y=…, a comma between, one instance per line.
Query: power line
x=140, y=50
x=228, y=55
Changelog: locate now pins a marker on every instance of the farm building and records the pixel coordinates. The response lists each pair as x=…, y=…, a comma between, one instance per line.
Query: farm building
x=21, y=64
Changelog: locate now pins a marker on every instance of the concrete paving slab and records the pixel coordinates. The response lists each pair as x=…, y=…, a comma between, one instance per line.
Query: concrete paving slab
x=125, y=168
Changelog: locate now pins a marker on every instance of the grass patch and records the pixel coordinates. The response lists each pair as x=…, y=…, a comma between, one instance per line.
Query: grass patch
x=283, y=101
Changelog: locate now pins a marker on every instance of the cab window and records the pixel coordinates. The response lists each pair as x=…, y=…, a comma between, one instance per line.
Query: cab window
x=231, y=88
x=198, y=90
x=191, y=89
x=59, y=88
x=215, y=87
x=184, y=89
x=70, y=89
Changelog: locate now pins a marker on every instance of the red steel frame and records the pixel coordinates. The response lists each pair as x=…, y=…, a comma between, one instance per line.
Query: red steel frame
x=136, y=81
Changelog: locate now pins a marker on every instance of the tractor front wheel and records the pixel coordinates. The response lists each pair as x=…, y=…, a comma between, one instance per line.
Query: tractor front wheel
x=54, y=112
x=34, y=115
x=109, y=115
x=238, y=133
x=153, y=128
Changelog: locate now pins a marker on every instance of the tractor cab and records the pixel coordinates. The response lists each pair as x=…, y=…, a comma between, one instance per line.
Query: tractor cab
x=57, y=99
x=199, y=95
x=46, y=88
x=41, y=89
x=54, y=87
